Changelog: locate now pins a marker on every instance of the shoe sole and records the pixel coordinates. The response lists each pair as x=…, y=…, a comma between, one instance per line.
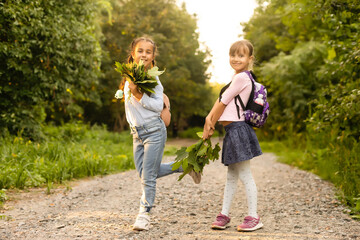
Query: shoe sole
x=218, y=227
x=260, y=225
x=140, y=229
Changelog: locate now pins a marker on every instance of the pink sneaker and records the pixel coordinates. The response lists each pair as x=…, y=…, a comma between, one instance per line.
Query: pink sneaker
x=250, y=224
x=221, y=222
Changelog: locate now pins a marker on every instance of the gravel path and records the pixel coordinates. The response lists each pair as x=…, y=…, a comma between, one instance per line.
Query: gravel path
x=293, y=204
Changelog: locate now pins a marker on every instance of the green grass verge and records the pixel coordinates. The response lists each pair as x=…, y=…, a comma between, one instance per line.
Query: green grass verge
x=337, y=164
x=70, y=151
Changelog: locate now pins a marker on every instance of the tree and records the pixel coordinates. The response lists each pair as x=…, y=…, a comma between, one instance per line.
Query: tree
x=291, y=25
x=314, y=84
x=50, y=59
x=174, y=31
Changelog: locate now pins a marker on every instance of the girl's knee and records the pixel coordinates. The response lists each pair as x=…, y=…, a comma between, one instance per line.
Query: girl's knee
x=232, y=173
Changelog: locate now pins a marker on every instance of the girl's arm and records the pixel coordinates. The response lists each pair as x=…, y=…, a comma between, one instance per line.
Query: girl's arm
x=211, y=119
x=155, y=102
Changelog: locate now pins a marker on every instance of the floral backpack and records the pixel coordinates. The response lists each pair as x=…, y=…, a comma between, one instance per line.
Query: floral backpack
x=257, y=109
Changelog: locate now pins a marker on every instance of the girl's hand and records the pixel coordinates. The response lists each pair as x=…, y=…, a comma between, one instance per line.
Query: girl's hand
x=135, y=90
x=208, y=129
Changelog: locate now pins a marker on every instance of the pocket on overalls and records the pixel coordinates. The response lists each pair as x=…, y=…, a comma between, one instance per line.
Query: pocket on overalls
x=153, y=128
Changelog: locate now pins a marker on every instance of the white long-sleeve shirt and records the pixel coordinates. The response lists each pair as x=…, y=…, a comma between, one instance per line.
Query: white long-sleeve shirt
x=147, y=109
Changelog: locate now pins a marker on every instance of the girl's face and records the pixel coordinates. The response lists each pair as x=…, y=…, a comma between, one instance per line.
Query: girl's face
x=144, y=51
x=240, y=61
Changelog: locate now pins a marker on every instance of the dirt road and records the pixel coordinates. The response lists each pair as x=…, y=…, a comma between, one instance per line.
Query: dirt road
x=293, y=204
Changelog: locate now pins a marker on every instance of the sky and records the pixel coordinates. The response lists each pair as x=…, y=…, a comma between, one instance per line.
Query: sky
x=219, y=26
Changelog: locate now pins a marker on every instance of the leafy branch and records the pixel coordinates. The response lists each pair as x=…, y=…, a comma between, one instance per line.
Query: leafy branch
x=196, y=156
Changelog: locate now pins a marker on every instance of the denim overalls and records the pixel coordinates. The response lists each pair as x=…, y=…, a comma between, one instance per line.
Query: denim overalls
x=148, y=146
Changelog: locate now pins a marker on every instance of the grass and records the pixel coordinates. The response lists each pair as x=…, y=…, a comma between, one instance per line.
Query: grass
x=191, y=133
x=286, y=154
x=77, y=150
x=338, y=164
x=70, y=151
x=170, y=150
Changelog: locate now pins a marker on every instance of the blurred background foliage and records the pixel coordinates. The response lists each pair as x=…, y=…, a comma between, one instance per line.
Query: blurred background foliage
x=57, y=66
x=58, y=61
x=308, y=55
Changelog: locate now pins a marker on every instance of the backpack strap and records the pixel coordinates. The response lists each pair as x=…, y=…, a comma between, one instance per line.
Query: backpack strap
x=223, y=90
x=238, y=98
x=250, y=98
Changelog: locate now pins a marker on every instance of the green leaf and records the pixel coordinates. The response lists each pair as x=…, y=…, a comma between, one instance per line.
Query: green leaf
x=195, y=146
x=181, y=154
x=215, y=152
x=149, y=81
x=153, y=72
x=197, y=167
x=185, y=164
x=186, y=171
x=202, y=151
x=176, y=165
x=192, y=157
x=199, y=134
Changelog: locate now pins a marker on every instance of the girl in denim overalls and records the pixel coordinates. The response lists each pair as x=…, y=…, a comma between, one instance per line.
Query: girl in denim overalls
x=148, y=129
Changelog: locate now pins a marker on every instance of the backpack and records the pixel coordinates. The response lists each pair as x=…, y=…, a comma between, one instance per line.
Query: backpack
x=257, y=109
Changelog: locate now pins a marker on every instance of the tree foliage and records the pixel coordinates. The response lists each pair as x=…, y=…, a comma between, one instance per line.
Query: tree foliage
x=312, y=69
x=317, y=47
x=50, y=59
x=174, y=32
x=58, y=59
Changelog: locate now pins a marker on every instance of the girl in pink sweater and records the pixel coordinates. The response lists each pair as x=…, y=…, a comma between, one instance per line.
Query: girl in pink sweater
x=240, y=142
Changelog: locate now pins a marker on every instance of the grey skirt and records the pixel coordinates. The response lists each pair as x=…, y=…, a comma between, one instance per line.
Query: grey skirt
x=240, y=143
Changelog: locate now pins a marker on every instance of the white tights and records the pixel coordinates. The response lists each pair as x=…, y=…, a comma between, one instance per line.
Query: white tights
x=235, y=171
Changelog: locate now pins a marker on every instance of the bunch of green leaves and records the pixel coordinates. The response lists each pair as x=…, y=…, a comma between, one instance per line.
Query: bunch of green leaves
x=144, y=79
x=196, y=156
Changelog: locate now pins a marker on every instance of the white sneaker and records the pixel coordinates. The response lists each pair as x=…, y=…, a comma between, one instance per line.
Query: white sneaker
x=142, y=222
x=195, y=176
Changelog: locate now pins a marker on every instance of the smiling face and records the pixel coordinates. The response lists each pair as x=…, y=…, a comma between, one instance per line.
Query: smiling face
x=240, y=60
x=144, y=50
x=241, y=55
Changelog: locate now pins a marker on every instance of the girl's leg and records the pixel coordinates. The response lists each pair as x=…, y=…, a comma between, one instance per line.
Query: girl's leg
x=244, y=171
x=230, y=188
x=154, y=143
x=166, y=169
x=138, y=152
x=222, y=219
